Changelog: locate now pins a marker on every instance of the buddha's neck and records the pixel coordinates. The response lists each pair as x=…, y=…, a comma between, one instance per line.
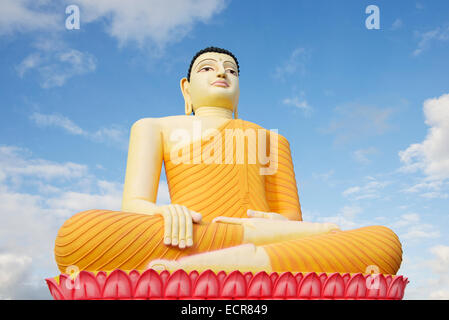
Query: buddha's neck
x=213, y=112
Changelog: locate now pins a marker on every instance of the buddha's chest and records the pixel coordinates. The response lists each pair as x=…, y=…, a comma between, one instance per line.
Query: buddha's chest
x=233, y=142
x=184, y=131
x=217, y=189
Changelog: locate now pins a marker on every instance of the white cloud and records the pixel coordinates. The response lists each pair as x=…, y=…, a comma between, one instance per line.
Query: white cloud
x=397, y=24
x=429, y=189
x=30, y=62
x=295, y=64
x=56, y=120
x=433, y=185
x=345, y=218
x=432, y=155
x=421, y=231
x=440, y=266
x=298, y=103
x=411, y=228
x=362, y=155
x=30, y=218
x=370, y=190
x=354, y=121
x=70, y=202
x=70, y=63
x=324, y=176
x=19, y=170
x=350, y=211
x=15, y=164
x=113, y=135
x=13, y=269
x=27, y=15
x=351, y=190
x=429, y=37
x=55, y=63
x=435, y=195
x=149, y=21
x=407, y=220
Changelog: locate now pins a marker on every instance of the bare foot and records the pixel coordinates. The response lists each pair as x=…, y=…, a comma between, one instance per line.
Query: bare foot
x=162, y=264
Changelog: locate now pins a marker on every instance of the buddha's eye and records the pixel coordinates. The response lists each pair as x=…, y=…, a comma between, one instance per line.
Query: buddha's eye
x=232, y=71
x=206, y=69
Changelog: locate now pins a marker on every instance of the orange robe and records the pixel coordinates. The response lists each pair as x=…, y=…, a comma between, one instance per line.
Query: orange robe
x=105, y=240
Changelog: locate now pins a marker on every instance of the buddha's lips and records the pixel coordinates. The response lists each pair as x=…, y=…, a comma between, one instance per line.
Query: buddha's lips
x=220, y=83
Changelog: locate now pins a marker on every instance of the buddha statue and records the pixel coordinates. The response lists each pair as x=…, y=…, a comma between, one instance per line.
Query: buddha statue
x=229, y=210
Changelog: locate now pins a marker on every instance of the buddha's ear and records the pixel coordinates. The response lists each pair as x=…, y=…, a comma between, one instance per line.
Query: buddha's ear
x=236, y=114
x=185, y=88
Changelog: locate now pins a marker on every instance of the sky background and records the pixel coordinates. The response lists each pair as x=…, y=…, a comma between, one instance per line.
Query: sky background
x=366, y=113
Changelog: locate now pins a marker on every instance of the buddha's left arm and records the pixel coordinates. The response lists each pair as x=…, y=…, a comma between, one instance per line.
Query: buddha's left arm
x=280, y=187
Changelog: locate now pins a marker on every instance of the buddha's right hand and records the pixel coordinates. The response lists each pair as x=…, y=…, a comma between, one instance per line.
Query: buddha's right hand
x=178, y=228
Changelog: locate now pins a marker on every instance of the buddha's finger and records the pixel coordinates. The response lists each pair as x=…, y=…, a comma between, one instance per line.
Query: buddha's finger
x=274, y=216
x=167, y=225
x=265, y=215
x=196, y=216
x=174, y=226
x=182, y=226
x=333, y=228
x=257, y=214
x=261, y=214
x=229, y=220
x=189, y=226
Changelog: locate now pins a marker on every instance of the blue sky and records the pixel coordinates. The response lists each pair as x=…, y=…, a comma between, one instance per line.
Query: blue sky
x=366, y=113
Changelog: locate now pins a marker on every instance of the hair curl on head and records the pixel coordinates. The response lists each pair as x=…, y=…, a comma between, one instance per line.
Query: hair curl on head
x=212, y=49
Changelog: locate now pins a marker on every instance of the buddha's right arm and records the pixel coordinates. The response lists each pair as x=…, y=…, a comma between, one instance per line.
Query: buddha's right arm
x=141, y=206
x=143, y=167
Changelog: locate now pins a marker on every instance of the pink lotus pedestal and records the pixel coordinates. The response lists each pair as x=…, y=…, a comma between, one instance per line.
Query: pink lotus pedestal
x=234, y=285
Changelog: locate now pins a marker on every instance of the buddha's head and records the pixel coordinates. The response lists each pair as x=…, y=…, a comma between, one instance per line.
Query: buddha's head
x=212, y=81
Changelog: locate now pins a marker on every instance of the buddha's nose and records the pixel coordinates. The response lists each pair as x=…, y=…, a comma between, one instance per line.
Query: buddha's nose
x=221, y=72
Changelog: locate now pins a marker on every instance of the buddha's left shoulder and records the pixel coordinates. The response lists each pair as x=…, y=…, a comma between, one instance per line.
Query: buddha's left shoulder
x=249, y=124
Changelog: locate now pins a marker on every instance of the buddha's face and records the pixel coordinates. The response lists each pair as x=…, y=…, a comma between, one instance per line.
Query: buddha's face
x=214, y=82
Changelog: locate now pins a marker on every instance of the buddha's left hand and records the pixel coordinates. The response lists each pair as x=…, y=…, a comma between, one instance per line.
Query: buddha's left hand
x=265, y=215
x=261, y=231
x=253, y=216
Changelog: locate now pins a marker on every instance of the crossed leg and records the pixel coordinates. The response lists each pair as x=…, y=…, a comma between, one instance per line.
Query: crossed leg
x=347, y=251
x=106, y=240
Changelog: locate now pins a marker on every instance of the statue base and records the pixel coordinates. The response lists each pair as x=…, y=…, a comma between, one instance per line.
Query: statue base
x=154, y=285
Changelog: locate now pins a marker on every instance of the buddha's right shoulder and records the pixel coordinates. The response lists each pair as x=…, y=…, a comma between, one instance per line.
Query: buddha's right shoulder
x=163, y=122
x=174, y=119
x=144, y=122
